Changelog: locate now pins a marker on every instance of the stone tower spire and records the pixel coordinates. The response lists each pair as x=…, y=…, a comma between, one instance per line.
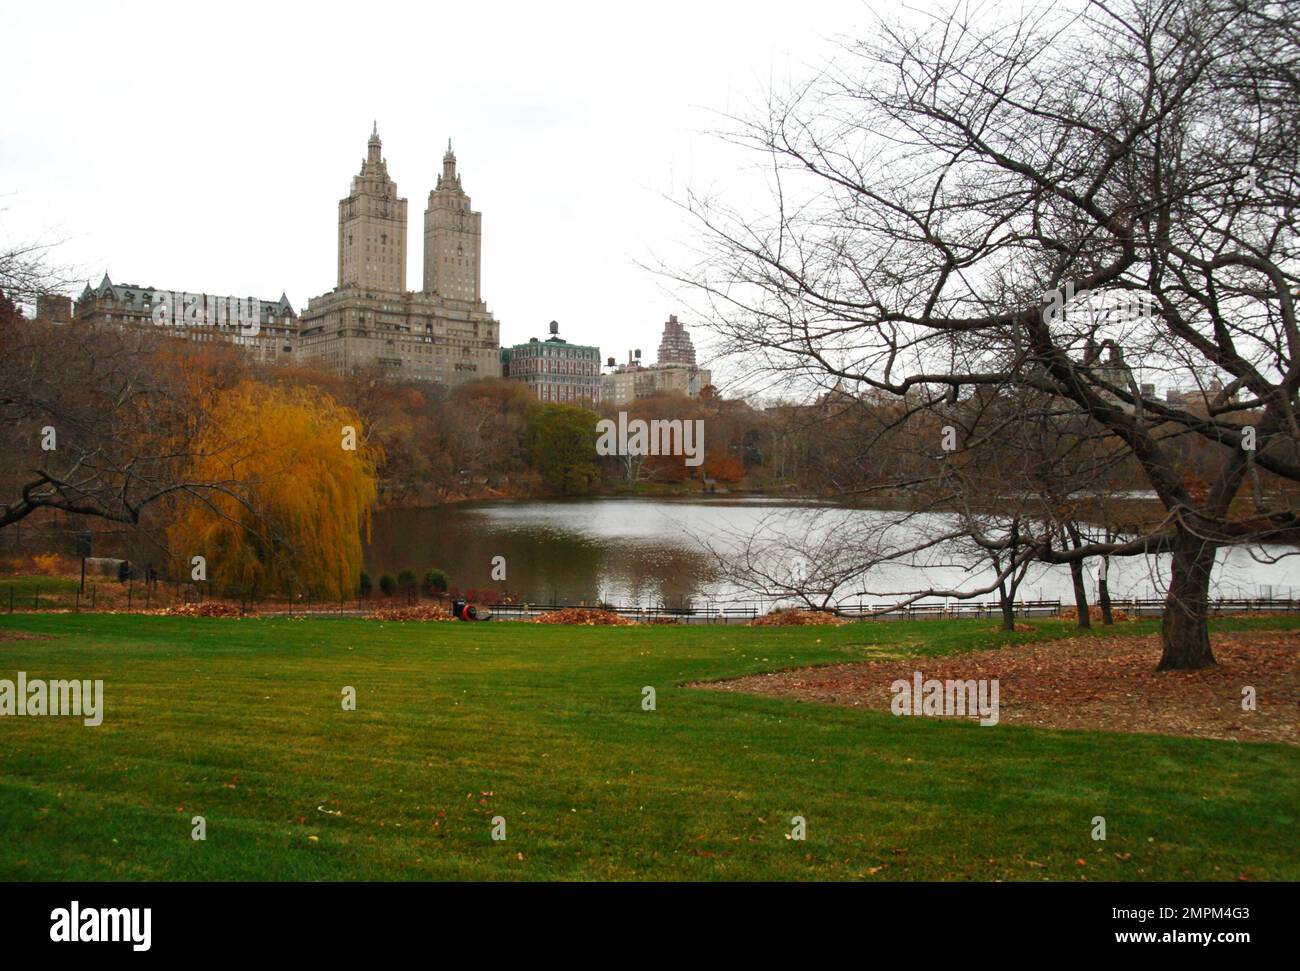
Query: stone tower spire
x=372, y=227
x=453, y=236
x=448, y=168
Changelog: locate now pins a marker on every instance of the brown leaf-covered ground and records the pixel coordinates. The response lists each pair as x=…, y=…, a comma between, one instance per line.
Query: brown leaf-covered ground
x=794, y=617
x=420, y=612
x=1091, y=683
x=209, y=608
x=584, y=616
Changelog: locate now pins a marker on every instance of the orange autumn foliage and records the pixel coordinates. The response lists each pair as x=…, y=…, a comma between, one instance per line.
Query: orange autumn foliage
x=724, y=468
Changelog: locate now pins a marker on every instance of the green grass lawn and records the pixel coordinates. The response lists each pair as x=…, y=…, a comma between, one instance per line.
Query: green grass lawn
x=241, y=722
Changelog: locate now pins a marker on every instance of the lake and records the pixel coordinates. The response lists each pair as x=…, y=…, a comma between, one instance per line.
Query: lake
x=656, y=552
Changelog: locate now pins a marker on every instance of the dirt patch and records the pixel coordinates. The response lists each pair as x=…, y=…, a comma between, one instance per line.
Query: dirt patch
x=1088, y=683
x=17, y=635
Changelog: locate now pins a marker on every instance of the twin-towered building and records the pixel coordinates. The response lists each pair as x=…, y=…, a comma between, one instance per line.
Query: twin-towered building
x=442, y=333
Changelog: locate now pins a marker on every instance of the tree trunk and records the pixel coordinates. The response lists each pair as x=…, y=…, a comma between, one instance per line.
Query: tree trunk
x=1080, y=593
x=1185, y=633
x=1078, y=576
x=1103, y=592
x=1006, y=600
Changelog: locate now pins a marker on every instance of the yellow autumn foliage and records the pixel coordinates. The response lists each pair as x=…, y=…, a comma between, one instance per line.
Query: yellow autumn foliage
x=292, y=504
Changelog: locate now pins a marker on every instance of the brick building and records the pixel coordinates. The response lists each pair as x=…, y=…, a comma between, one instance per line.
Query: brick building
x=554, y=369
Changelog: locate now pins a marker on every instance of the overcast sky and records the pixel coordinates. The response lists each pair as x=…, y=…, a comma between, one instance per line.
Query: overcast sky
x=206, y=148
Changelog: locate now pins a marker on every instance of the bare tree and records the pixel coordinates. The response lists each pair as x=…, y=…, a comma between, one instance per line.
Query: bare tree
x=27, y=271
x=1143, y=149
x=92, y=423
x=971, y=524
x=829, y=559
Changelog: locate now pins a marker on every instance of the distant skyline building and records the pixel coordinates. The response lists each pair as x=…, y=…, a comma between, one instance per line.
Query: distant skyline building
x=627, y=382
x=130, y=305
x=372, y=228
x=443, y=334
x=453, y=237
x=675, y=347
x=674, y=373
x=554, y=369
x=54, y=307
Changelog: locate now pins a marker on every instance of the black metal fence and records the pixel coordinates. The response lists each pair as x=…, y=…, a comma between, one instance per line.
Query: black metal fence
x=147, y=596
x=742, y=612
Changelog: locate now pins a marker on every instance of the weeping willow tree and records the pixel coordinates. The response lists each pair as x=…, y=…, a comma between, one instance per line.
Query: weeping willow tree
x=298, y=498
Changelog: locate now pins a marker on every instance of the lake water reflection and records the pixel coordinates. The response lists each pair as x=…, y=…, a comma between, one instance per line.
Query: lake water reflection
x=648, y=552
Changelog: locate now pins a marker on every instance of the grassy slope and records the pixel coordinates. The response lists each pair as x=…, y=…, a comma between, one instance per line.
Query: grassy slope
x=240, y=721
